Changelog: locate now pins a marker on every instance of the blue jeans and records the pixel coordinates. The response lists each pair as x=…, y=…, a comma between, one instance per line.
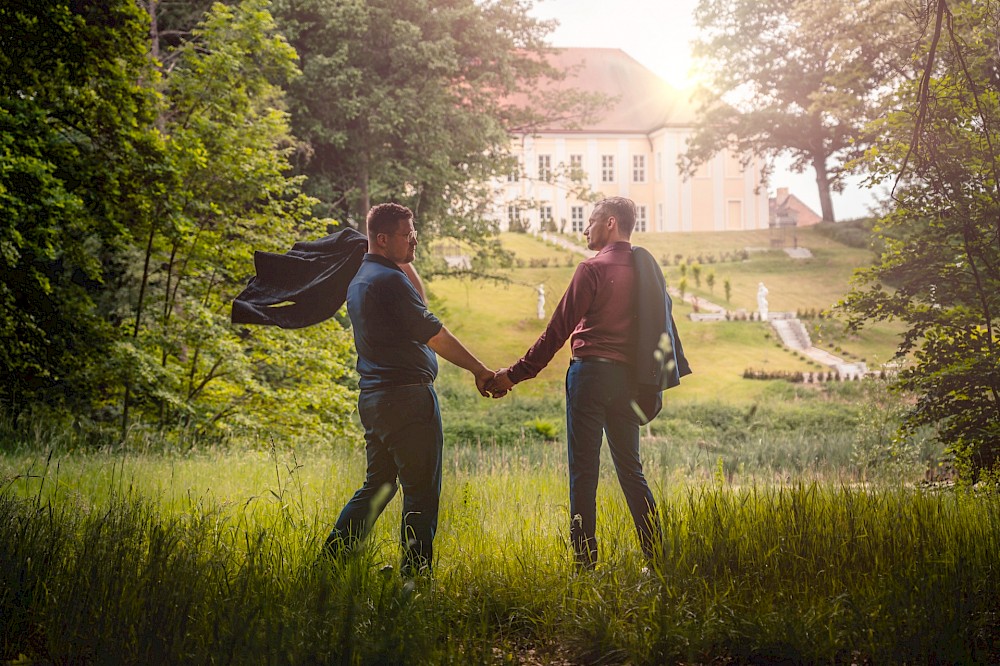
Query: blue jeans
x=598, y=401
x=403, y=440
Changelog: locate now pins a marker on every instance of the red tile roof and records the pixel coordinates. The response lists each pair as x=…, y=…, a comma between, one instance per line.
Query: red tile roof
x=787, y=209
x=641, y=101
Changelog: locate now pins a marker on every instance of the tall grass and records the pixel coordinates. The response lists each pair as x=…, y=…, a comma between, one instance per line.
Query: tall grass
x=212, y=557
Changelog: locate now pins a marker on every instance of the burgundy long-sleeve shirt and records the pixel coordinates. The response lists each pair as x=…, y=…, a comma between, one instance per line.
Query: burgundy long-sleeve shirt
x=598, y=310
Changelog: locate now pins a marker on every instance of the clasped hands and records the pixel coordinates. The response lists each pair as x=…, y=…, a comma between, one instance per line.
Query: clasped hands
x=494, y=384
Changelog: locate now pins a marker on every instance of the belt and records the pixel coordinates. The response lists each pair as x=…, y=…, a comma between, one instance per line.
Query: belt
x=595, y=359
x=384, y=387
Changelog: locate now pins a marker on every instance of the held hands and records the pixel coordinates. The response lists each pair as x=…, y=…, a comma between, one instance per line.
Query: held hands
x=493, y=384
x=501, y=383
x=484, y=383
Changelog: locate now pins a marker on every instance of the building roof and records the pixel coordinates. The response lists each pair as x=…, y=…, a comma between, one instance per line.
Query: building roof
x=788, y=210
x=642, y=102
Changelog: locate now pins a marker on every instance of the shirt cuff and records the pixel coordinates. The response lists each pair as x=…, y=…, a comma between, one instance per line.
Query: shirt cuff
x=517, y=373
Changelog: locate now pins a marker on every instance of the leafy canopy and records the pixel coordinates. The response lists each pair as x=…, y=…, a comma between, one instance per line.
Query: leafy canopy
x=940, y=269
x=795, y=77
x=408, y=100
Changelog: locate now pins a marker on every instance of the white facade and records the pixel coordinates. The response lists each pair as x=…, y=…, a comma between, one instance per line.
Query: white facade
x=633, y=152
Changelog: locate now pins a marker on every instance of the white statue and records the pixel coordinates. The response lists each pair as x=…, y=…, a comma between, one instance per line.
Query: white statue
x=762, y=301
x=541, y=300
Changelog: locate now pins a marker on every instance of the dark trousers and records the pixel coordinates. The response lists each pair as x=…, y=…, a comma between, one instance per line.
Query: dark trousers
x=403, y=440
x=598, y=401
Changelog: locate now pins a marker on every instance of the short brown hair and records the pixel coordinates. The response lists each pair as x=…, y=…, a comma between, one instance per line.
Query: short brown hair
x=384, y=218
x=622, y=209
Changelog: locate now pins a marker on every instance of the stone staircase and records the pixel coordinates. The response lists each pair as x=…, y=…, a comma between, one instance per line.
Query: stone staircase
x=793, y=334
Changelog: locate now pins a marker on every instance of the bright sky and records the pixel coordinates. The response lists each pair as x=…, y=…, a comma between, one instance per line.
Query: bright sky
x=658, y=33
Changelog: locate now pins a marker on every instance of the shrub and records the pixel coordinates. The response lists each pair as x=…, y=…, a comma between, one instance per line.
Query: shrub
x=547, y=429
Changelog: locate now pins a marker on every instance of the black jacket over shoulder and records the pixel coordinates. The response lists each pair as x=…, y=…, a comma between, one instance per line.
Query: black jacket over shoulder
x=304, y=286
x=660, y=360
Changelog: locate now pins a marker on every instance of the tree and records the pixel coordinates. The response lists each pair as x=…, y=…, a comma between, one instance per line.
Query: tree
x=231, y=193
x=132, y=199
x=77, y=160
x=795, y=77
x=939, y=271
x=409, y=100
x=170, y=26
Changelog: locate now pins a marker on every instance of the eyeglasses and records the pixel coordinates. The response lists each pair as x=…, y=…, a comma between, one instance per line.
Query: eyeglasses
x=410, y=237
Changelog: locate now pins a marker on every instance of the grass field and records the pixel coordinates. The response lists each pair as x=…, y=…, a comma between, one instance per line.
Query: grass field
x=211, y=557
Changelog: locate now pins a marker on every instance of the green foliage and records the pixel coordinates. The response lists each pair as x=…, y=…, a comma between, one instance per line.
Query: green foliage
x=518, y=418
x=408, y=101
x=939, y=271
x=853, y=233
x=75, y=157
x=794, y=77
x=133, y=199
x=880, y=450
x=229, y=147
x=547, y=429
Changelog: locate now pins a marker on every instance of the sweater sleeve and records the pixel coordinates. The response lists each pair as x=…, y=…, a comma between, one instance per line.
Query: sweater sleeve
x=571, y=309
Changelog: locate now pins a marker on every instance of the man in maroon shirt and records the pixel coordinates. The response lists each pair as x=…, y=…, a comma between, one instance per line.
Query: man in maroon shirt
x=599, y=311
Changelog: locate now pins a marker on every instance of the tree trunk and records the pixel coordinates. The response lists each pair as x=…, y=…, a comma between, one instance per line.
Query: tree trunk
x=364, y=199
x=823, y=184
x=138, y=323
x=154, y=30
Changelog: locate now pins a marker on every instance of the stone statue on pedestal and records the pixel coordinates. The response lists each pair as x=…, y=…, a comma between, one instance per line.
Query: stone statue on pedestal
x=762, y=301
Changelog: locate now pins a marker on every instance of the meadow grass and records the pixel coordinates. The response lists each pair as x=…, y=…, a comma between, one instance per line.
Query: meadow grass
x=212, y=557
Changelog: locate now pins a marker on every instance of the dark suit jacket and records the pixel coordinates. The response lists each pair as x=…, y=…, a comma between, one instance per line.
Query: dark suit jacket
x=304, y=286
x=660, y=360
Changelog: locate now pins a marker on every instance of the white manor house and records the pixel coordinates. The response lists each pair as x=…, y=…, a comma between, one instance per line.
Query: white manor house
x=629, y=149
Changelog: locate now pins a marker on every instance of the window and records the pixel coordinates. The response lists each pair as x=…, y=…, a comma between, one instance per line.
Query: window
x=515, y=174
x=640, y=218
x=545, y=167
x=638, y=168
x=576, y=218
x=659, y=216
x=607, y=168
x=734, y=214
x=513, y=218
x=576, y=162
x=545, y=218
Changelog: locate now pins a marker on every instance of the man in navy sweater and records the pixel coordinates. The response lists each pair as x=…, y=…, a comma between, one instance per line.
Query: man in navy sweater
x=396, y=337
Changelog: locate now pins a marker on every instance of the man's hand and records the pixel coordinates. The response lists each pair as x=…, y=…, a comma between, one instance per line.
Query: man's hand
x=484, y=383
x=447, y=345
x=501, y=383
